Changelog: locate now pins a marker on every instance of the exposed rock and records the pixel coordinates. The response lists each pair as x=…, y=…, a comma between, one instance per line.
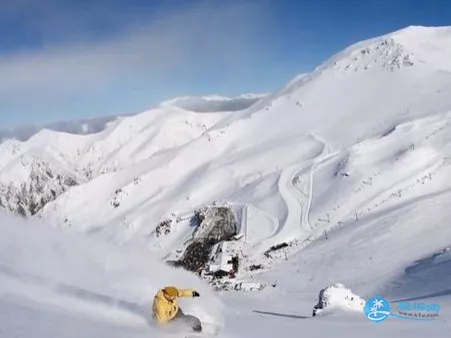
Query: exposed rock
x=195, y=255
x=275, y=248
x=163, y=228
x=255, y=267
x=218, y=224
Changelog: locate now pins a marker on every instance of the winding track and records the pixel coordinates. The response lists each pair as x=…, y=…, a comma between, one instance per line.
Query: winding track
x=299, y=196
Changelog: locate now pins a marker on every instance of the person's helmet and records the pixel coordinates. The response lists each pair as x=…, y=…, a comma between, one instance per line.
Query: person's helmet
x=170, y=292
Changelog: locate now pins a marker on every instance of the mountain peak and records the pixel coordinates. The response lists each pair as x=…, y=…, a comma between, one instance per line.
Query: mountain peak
x=396, y=50
x=418, y=29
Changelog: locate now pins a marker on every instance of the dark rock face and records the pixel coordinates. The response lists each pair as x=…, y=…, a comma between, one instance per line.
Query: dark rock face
x=163, y=228
x=195, y=256
x=255, y=267
x=218, y=224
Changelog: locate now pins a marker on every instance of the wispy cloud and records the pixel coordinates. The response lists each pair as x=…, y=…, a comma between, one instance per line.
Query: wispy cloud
x=176, y=41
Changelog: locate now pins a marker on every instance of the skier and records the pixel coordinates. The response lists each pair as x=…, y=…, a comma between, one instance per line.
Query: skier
x=166, y=308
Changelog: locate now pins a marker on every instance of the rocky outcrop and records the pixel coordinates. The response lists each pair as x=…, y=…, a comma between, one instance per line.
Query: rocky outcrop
x=218, y=224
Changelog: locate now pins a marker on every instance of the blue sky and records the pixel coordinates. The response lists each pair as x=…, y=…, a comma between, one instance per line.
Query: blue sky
x=71, y=59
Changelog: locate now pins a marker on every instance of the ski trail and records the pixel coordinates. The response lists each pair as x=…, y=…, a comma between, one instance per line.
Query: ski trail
x=296, y=187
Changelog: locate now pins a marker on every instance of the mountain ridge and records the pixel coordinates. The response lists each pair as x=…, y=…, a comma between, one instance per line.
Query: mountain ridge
x=177, y=156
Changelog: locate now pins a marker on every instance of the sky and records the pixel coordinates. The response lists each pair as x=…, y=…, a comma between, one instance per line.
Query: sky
x=73, y=59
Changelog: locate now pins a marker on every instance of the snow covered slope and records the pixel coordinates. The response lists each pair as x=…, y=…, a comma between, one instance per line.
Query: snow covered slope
x=52, y=283
x=333, y=144
x=340, y=177
x=73, y=286
x=213, y=103
x=53, y=161
x=37, y=172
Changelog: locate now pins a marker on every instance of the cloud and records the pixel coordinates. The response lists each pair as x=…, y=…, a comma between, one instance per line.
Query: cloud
x=180, y=41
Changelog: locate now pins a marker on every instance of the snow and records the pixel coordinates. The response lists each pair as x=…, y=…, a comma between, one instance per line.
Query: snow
x=257, y=224
x=61, y=283
x=344, y=173
x=337, y=296
x=212, y=103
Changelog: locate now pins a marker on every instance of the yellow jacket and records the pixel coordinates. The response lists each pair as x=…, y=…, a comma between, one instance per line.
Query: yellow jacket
x=164, y=309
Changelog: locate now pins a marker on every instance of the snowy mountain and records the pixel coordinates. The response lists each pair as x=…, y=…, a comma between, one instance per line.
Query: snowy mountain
x=214, y=103
x=365, y=98
x=75, y=158
x=32, y=176
x=85, y=126
x=340, y=177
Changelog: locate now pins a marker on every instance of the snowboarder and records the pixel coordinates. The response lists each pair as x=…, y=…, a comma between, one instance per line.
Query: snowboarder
x=166, y=308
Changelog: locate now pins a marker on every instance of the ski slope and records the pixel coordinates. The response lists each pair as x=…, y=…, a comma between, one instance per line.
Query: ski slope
x=348, y=165
x=77, y=286
x=392, y=84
